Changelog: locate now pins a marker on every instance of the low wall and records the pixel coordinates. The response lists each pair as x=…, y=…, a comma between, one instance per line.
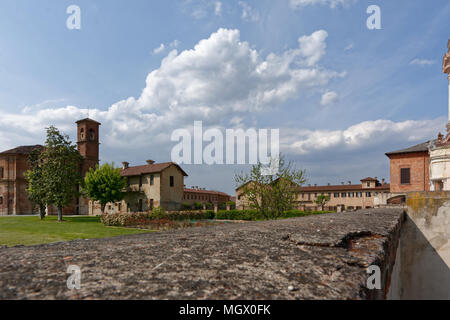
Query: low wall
x=422, y=268
x=314, y=257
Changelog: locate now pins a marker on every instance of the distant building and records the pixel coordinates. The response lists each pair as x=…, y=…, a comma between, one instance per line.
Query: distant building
x=205, y=197
x=151, y=185
x=13, y=195
x=14, y=163
x=342, y=197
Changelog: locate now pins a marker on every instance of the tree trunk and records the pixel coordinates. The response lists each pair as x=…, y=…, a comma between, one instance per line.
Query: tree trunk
x=60, y=215
x=42, y=211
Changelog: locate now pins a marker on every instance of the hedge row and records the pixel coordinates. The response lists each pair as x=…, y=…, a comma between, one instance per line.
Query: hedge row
x=253, y=215
x=145, y=218
x=173, y=219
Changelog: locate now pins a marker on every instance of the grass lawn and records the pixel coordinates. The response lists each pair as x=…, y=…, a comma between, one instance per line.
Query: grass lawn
x=31, y=230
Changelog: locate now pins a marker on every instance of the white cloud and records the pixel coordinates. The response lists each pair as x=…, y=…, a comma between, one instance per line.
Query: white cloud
x=331, y=3
x=328, y=98
x=221, y=79
x=362, y=135
x=313, y=47
x=160, y=49
x=349, y=47
x=218, y=8
x=422, y=62
x=248, y=13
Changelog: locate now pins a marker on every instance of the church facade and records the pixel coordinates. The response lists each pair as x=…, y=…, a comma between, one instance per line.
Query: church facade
x=14, y=164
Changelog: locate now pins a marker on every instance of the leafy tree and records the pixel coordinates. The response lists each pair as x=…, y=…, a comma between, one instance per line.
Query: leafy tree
x=104, y=184
x=60, y=168
x=271, y=195
x=36, y=185
x=322, y=200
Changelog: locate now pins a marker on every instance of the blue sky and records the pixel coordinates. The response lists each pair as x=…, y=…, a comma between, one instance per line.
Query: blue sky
x=342, y=96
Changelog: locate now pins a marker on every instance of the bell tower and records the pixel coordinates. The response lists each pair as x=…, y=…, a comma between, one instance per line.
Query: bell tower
x=88, y=143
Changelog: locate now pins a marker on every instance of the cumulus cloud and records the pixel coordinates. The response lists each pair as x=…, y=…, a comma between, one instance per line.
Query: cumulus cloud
x=222, y=77
x=328, y=98
x=331, y=3
x=364, y=134
x=422, y=62
x=160, y=49
x=248, y=13
x=218, y=8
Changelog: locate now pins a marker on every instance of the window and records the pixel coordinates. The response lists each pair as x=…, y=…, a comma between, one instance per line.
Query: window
x=368, y=184
x=141, y=205
x=119, y=207
x=91, y=134
x=82, y=134
x=405, y=175
x=151, y=204
x=152, y=180
x=336, y=194
x=368, y=194
x=2, y=172
x=140, y=181
x=343, y=194
x=172, y=181
x=1, y=200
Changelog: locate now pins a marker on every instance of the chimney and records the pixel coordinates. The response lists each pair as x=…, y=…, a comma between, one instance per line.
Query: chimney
x=349, y=182
x=150, y=161
x=125, y=165
x=383, y=181
x=309, y=185
x=329, y=184
x=315, y=184
x=342, y=183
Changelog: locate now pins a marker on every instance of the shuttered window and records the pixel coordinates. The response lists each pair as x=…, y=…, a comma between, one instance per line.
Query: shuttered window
x=405, y=175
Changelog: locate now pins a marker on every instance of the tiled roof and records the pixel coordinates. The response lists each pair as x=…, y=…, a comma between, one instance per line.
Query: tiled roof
x=206, y=192
x=369, y=179
x=149, y=168
x=88, y=119
x=23, y=150
x=422, y=147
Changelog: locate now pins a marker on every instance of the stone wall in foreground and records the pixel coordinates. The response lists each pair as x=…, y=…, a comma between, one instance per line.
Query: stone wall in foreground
x=314, y=257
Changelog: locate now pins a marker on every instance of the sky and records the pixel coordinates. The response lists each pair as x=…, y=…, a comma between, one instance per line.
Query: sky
x=340, y=94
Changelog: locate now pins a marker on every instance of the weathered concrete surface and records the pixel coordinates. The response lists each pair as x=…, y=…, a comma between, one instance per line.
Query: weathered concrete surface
x=422, y=269
x=321, y=257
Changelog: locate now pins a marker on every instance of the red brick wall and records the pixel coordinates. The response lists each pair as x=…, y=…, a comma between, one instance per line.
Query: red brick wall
x=419, y=163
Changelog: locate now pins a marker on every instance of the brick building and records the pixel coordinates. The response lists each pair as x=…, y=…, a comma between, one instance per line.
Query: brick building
x=410, y=169
x=13, y=195
x=342, y=197
x=205, y=197
x=14, y=163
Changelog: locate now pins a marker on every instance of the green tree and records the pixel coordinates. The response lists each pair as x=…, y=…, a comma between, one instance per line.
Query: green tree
x=104, y=184
x=34, y=177
x=322, y=200
x=274, y=194
x=60, y=168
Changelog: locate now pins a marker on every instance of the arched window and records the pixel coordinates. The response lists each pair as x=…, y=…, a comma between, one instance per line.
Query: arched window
x=91, y=134
x=82, y=134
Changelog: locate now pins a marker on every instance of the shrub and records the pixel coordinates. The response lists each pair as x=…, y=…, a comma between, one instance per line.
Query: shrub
x=198, y=206
x=187, y=206
x=254, y=215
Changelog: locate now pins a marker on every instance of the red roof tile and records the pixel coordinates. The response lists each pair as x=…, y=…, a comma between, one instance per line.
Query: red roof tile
x=149, y=168
x=24, y=150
